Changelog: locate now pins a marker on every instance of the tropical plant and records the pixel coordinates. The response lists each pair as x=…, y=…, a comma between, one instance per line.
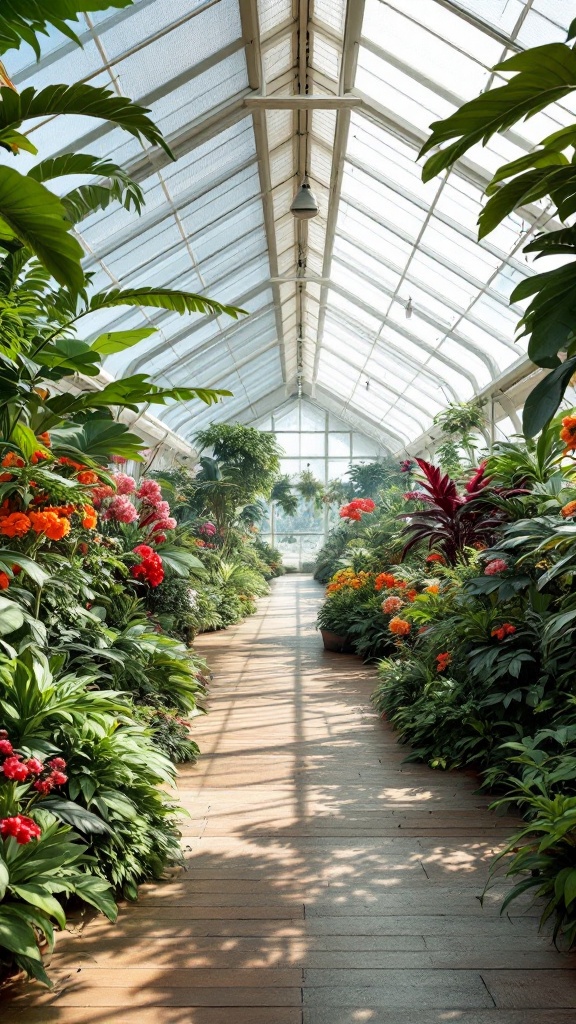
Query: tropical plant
x=283, y=495
x=539, y=77
x=40, y=859
x=449, y=522
x=310, y=489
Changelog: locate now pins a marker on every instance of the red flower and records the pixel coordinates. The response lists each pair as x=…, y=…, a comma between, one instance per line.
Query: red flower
x=43, y=786
x=506, y=629
x=13, y=768
x=443, y=660
x=4, y=581
x=21, y=828
x=58, y=778
x=34, y=765
x=143, y=550
x=435, y=557
x=6, y=747
x=57, y=762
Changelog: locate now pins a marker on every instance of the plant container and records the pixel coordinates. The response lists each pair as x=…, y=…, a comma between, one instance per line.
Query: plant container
x=335, y=642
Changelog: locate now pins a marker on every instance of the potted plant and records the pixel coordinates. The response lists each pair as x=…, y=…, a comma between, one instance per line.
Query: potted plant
x=344, y=593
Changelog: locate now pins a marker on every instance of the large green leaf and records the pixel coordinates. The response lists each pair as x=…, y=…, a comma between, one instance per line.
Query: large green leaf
x=66, y=356
x=83, y=99
x=17, y=935
x=163, y=298
x=76, y=815
x=117, y=341
x=544, y=399
x=179, y=560
x=11, y=616
x=23, y=20
x=4, y=878
x=559, y=184
x=130, y=392
x=39, y=897
x=8, y=558
x=97, y=893
x=37, y=218
x=114, y=184
x=550, y=318
x=544, y=74
x=99, y=438
x=25, y=438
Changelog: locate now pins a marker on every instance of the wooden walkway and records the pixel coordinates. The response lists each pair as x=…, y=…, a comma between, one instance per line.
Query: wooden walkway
x=326, y=882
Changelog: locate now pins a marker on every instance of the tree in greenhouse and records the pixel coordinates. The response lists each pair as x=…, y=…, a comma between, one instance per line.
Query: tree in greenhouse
x=539, y=77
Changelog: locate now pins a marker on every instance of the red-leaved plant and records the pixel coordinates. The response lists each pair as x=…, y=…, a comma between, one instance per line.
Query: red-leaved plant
x=451, y=522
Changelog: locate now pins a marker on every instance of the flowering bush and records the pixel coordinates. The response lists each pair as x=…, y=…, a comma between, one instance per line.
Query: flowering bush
x=355, y=509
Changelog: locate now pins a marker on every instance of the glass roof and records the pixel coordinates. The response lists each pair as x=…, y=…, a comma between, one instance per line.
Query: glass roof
x=383, y=308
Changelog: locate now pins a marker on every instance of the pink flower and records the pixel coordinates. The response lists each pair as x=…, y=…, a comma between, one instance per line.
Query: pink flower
x=121, y=509
x=496, y=566
x=208, y=529
x=125, y=484
x=165, y=524
x=162, y=509
x=119, y=460
x=149, y=490
x=391, y=604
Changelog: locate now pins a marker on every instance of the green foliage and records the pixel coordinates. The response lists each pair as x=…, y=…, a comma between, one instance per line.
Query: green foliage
x=284, y=496
x=24, y=20
x=539, y=77
x=30, y=876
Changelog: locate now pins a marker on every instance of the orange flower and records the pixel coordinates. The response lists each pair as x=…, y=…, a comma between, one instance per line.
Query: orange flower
x=37, y=456
x=432, y=589
x=443, y=660
x=385, y=579
x=391, y=604
x=90, y=518
x=399, y=626
x=11, y=459
x=55, y=527
x=60, y=510
x=568, y=433
x=569, y=510
x=4, y=581
x=88, y=477
x=412, y=595
x=65, y=461
x=14, y=525
x=45, y=439
x=4, y=477
x=435, y=557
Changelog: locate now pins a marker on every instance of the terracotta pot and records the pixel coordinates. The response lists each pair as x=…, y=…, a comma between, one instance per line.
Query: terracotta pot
x=335, y=642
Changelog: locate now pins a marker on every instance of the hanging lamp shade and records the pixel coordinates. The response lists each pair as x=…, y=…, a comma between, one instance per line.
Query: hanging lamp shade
x=304, y=205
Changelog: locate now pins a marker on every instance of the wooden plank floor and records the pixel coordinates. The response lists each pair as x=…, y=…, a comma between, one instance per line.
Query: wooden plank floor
x=326, y=882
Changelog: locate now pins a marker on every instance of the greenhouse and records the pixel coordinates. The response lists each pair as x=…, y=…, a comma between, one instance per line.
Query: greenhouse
x=288, y=511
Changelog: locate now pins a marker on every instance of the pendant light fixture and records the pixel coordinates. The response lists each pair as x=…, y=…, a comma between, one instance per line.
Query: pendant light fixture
x=304, y=205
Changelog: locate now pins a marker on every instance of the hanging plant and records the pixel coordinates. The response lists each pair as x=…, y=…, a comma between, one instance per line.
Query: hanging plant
x=310, y=488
